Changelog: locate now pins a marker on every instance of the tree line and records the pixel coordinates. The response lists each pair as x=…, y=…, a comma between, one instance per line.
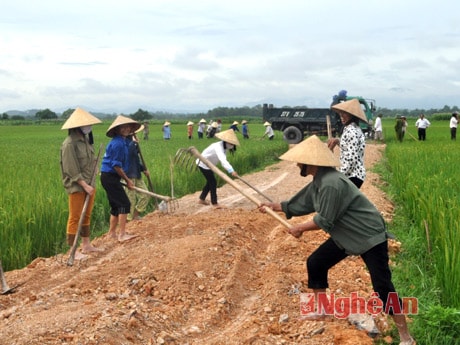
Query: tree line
x=220, y=113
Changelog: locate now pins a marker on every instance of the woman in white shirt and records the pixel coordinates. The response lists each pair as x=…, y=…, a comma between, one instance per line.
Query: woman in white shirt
x=215, y=153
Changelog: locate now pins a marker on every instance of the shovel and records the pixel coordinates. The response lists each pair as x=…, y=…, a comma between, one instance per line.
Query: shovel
x=192, y=151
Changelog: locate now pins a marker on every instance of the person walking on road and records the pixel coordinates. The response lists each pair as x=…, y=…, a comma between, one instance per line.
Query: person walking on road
x=352, y=142
x=215, y=153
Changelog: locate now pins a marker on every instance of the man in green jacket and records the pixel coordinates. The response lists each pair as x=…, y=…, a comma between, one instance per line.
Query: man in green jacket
x=355, y=226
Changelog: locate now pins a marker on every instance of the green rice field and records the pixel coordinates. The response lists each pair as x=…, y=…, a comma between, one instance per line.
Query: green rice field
x=33, y=204
x=421, y=178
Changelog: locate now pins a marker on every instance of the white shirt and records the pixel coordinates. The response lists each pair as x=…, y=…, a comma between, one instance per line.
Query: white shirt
x=269, y=131
x=215, y=153
x=422, y=123
x=378, y=124
x=453, y=122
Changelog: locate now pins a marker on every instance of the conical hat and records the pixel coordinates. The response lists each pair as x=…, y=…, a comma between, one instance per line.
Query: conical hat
x=215, y=124
x=312, y=151
x=80, y=118
x=140, y=129
x=167, y=123
x=189, y=123
x=228, y=136
x=202, y=120
x=244, y=121
x=352, y=107
x=121, y=120
x=235, y=123
x=267, y=123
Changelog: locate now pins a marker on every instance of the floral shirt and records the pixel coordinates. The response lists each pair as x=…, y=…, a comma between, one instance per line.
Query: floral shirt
x=352, y=145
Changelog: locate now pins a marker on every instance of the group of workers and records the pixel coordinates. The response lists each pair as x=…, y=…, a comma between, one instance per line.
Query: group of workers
x=354, y=224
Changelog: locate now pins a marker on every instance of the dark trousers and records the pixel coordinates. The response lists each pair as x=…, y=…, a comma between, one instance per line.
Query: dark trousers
x=453, y=133
x=118, y=200
x=421, y=133
x=356, y=181
x=210, y=186
x=329, y=254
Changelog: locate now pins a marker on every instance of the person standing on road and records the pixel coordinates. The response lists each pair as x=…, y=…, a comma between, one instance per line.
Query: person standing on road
x=139, y=201
x=115, y=164
x=378, y=134
x=77, y=168
x=352, y=142
x=422, y=124
x=355, y=227
x=215, y=153
x=453, y=125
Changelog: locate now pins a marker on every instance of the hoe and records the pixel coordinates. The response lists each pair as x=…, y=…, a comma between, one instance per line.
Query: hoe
x=186, y=157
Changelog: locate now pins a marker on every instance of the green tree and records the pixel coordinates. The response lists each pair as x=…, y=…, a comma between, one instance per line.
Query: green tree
x=67, y=113
x=46, y=114
x=141, y=115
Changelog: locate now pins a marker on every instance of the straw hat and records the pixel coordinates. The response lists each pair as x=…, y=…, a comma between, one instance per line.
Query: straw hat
x=267, y=123
x=189, y=123
x=244, y=121
x=235, y=123
x=167, y=123
x=140, y=129
x=215, y=124
x=228, y=136
x=202, y=121
x=80, y=118
x=352, y=107
x=121, y=120
x=312, y=151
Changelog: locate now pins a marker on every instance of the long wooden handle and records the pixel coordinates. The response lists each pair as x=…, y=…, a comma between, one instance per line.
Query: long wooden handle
x=155, y=195
x=149, y=180
x=224, y=176
x=329, y=129
x=83, y=212
x=251, y=186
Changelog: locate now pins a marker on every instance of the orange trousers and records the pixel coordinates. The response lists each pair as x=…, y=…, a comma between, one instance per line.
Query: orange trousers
x=76, y=203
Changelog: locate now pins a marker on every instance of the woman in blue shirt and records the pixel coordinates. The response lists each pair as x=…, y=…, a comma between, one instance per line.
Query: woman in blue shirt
x=115, y=164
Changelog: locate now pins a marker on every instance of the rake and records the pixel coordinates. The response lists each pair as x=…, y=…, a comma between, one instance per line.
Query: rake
x=186, y=157
x=169, y=204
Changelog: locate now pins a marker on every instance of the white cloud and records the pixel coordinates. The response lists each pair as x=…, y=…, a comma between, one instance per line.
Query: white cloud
x=195, y=55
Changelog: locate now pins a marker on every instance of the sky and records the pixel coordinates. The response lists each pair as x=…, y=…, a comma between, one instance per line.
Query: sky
x=194, y=55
